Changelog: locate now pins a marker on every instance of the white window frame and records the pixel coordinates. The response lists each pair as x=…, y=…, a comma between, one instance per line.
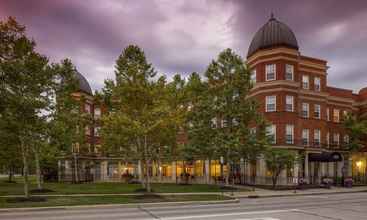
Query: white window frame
x=305, y=109
x=336, y=115
x=336, y=139
x=270, y=70
x=289, y=71
x=97, y=131
x=317, y=84
x=305, y=81
x=317, y=137
x=253, y=76
x=289, y=103
x=306, y=137
x=271, y=101
x=289, y=134
x=317, y=111
x=271, y=131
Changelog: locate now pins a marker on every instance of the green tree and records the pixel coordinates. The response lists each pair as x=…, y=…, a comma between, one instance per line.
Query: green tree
x=26, y=82
x=229, y=86
x=357, y=130
x=140, y=106
x=278, y=160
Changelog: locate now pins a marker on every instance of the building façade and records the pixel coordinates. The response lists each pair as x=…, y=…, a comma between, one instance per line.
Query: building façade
x=304, y=113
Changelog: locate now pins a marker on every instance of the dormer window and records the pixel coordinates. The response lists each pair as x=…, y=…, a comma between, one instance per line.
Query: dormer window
x=270, y=72
x=289, y=72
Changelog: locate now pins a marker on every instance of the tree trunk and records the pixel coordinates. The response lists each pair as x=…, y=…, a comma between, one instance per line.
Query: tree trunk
x=228, y=172
x=147, y=163
x=38, y=170
x=11, y=174
x=25, y=169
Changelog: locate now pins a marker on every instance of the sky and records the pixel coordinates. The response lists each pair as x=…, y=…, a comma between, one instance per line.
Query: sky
x=184, y=36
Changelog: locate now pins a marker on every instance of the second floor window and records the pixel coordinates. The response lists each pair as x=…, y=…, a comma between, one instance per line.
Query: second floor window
x=305, y=82
x=96, y=131
x=253, y=76
x=97, y=112
x=87, y=108
x=317, y=137
x=336, y=115
x=271, y=102
x=317, y=84
x=336, y=138
x=305, y=137
x=305, y=110
x=270, y=72
x=271, y=133
x=289, y=72
x=346, y=139
x=289, y=103
x=317, y=111
x=289, y=134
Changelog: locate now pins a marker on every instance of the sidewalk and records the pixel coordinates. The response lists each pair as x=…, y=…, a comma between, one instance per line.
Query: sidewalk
x=263, y=193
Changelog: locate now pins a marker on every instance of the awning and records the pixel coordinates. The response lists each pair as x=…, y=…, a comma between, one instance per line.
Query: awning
x=325, y=157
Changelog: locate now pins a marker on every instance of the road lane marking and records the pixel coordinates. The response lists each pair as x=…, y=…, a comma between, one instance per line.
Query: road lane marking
x=230, y=214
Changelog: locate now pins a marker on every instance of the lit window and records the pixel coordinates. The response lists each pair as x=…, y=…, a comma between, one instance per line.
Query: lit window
x=271, y=102
x=305, y=82
x=271, y=133
x=289, y=72
x=289, y=134
x=270, y=72
x=289, y=103
x=305, y=137
x=317, y=137
x=328, y=114
x=317, y=83
x=305, y=110
x=253, y=76
x=336, y=138
x=336, y=115
x=317, y=111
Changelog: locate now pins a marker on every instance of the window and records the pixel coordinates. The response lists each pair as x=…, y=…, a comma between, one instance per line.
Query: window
x=346, y=139
x=328, y=139
x=87, y=130
x=317, y=84
x=253, y=131
x=289, y=134
x=87, y=108
x=224, y=123
x=289, y=103
x=317, y=111
x=305, y=110
x=336, y=115
x=253, y=76
x=96, y=131
x=214, y=123
x=305, y=137
x=97, y=112
x=270, y=72
x=336, y=139
x=317, y=137
x=289, y=72
x=305, y=82
x=271, y=102
x=328, y=114
x=271, y=133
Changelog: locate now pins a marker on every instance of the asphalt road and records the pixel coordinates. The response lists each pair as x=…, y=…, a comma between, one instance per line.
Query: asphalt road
x=352, y=206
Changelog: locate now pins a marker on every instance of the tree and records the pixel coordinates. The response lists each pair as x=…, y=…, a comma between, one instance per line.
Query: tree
x=140, y=107
x=357, y=130
x=26, y=82
x=229, y=86
x=278, y=160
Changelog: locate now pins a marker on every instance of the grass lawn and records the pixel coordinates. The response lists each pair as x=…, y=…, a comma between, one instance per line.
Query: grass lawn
x=89, y=188
x=93, y=200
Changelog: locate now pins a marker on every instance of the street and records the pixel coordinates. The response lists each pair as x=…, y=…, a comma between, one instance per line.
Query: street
x=350, y=206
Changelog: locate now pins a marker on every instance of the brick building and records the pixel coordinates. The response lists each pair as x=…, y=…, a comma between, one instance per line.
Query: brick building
x=305, y=114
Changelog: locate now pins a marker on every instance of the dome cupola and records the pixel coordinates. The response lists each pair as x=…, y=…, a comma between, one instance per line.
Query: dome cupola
x=83, y=84
x=272, y=34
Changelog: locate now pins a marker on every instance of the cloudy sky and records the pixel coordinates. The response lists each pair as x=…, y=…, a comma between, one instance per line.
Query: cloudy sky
x=183, y=36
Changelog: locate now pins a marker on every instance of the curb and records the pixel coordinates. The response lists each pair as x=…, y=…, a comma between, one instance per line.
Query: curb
x=255, y=196
x=131, y=205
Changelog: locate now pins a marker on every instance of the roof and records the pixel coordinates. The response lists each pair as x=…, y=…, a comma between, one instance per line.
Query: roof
x=83, y=84
x=272, y=34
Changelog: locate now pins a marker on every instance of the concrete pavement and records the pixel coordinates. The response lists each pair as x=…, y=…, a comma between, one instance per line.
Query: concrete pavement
x=351, y=206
